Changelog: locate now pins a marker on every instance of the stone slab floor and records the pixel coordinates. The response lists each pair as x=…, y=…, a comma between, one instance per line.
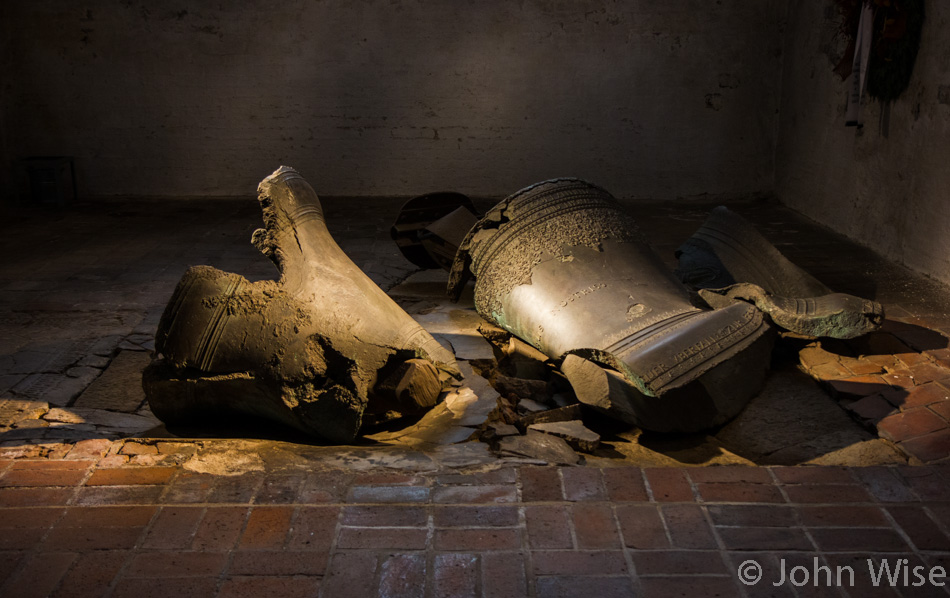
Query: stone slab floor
x=96, y=499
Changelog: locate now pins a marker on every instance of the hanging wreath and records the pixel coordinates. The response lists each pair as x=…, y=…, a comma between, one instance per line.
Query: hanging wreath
x=894, y=44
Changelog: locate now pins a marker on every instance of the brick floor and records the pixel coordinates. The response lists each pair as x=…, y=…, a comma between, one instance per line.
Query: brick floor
x=528, y=531
x=897, y=382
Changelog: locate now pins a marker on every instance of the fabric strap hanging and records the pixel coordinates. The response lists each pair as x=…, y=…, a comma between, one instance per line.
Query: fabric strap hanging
x=859, y=68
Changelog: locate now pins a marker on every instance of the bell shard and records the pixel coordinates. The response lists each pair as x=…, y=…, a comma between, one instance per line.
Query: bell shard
x=563, y=266
x=318, y=349
x=727, y=260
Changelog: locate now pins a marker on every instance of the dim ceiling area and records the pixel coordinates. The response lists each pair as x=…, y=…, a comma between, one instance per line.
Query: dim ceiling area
x=653, y=101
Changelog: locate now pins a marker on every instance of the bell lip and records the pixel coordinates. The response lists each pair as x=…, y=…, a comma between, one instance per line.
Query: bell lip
x=694, y=369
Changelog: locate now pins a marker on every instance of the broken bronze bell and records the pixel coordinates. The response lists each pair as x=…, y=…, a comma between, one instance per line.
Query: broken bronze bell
x=728, y=260
x=562, y=265
x=315, y=350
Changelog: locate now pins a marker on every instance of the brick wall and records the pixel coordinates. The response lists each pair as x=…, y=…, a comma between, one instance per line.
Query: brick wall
x=372, y=97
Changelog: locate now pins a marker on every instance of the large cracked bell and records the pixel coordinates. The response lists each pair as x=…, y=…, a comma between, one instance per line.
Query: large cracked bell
x=316, y=350
x=562, y=266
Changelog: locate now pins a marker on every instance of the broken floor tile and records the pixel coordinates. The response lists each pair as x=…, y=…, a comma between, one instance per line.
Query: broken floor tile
x=128, y=346
x=95, y=361
x=83, y=427
x=33, y=361
x=55, y=389
x=872, y=408
x=538, y=446
x=26, y=424
x=90, y=449
x=137, y=448
x=66, y=416
x=8, y=381
x=119, y=388
x=107, y=421
x=15, y=410
x=105, y=346
x=81, y=371
x=813, y=356
x=579, y=437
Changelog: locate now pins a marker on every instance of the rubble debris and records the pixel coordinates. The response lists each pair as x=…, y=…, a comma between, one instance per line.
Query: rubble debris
x=307, y=350
x=516, y=358
x=560, y=414
x=454, y=420
x=525, y=389
x=414, y=385
x=528, y=405
x=574, y=432
x=492, y=431
x=563, y=266
x=499, y=429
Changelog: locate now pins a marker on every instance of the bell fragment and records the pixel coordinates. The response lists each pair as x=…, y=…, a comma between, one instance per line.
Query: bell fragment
x=836, y=315
x=430, y=227
x=727, y=249
x=317, y=350
x=562, y=266
x=728, y=260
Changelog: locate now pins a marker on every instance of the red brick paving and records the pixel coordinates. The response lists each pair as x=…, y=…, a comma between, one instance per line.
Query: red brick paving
x=622, y=531
x=910, y=423
x=898, y=383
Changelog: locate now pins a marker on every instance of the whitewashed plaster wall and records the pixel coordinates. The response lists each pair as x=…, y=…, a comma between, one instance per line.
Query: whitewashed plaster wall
x=891, y=193
x=662, y=99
